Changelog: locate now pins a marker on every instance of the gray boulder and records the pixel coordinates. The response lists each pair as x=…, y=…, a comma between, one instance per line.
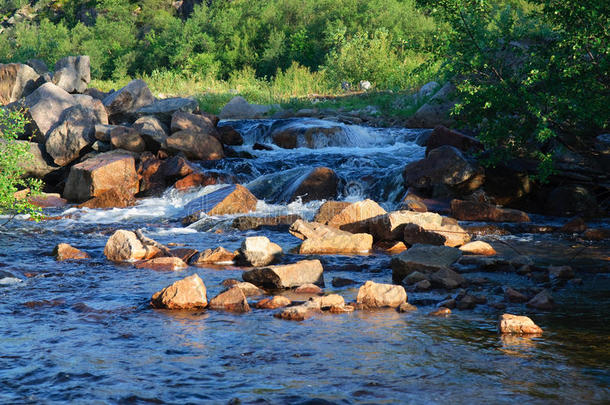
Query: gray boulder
x=73, y=73
x=128, y=100
x=164, y=109
x=239, y=108
x=153, y=132
x=16, y=81
x=195, y=145
x=72, y=135
x=45, y=106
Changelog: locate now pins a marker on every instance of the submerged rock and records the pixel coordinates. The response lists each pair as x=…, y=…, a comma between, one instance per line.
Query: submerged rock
x=63, y=251
x=374, y=295
x=299, y=312
x=233, y=300
x=543, y=300
x=188, y=293
x=287, y=276
x=521, y=325
x=113, y=198
x=423, y=258
x=442, y=311
x=258, y=251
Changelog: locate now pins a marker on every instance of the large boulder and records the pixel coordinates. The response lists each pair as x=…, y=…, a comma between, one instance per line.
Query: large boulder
x=287, y=276
x=94, y=105
x=329, y=210
x=229, y=136
x=40, y=164
x=233, y=300
x=188, y=293
x=73, y=73
x=355, y=217
x=195, y=145
x=479, y=211
x=258, y=251
x=45, y=106
x=322, y=239
x=375, y=295
x=239, y=108
x=184, y=121
x=164, y=109
x=232, y=199
x=318, y=184
x=444, y=172
x=16, y=81
x=125, y=246
x=520, y=325
x=125, y=102
x=113, y=198
x=418, y=227
x=445, y=136
x=99, y=174
x=153, y=132
x=73, y=134
x=313, y=133
x=127, y=139
x=426, y=259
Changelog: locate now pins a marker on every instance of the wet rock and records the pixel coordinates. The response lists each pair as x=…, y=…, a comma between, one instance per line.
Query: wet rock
x=448, y=303
x=415, y=278
x=478, y=248
x=543, y=300
x=447, y=278
x=233, y=300
x=467, y=302
x=390, y=247
x=239, y=108
x=423, y=285
x=423, y=258
x=328, y=210
x=299, y=312
x=318, y=184
x=157, y=175
x=162, y=263
x=229, y=136
x=195, y=145
x=445, y=136
x=71, y=136
x=308, y=288
x=355, y=217
x=322, y=239
x=16, y=81
x=291, y=134
x=478, y=211
x=575, y=225
x=188, y=293
x=375, y=295
x=153, y=132
x=406, y=307
x=442, y=311
x=281, y=222
x=99, y=174
x=258, y=251
x=445, y=172
x=521, y=325
x=561, y=272
x=274, y=302
x=63, y=251
x=249, y=289
x=232, y=199
x=286, y=276
x=124, y=246
x=184, y=254
x=126, y=101
x=219, y=255
x=195, y=180
x=45, y=106
x=113, y=198
x=166, y=108
x=512, y=295
x=339, y=282
x=127, y=139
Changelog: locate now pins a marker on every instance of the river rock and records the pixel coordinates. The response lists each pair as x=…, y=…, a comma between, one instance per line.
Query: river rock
x=314, y=134
x=415, y=278
x=287, y=276
x=441, y=312
x=128, y=139
x=45, y=106
x=308, y=289
x=414, y=234
x=479, y=211
x=239, y=108
x=48, y=200
x=183, y=121
x=423, y=258
x=153, y=132
x=446, y=278
x=561, y=272
x=188, y=293
x=445, y=171
x=326, y=302
x=232, y=199
x=196, y=180
x=322, y=239
x=162, y=264
x=16, y=81
x=63, y=251
x=102, y=132
x=229, y=136
x=73, y=73
x=124, y=246
x=113, y=198
x=157, y=174
x=318, y=184
x=406, y=307
x=195, y=145
x=258, y=251
x=478, y=248
x=233, y=300
x=166, y=108
x=219, y=255
x=128, y=100
x=299, y=312
x=249, y=289
x=355, y=217
x=596, y=234
x=280, y=222
x=329, y=209
x=375, y=295
x=99, y=174
x=512, y=295
x=543, y=300
x=521, y=325
x=445, y=136
x=275, y=302
x=72, y=135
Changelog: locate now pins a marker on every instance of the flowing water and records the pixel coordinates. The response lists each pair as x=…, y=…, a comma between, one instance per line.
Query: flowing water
x=83, y=332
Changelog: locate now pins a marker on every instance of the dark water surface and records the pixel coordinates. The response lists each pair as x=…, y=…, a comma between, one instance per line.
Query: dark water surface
x=82, y=332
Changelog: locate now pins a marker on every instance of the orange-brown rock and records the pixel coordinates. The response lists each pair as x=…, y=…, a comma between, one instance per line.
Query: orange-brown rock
x=194, y=180
x=232, y=199
x=185, y=254
x=125, y=246
x=162, y=263
x=390, y=247
x=195, y=145
x=308, y=289
x=249, y=289
x=478, y=248
x=258, y=251
x=298, y=312
x=99, y=174
x=113, y=198
x=274, y=302
x=375, y=295
x=219, y=255
x=521, y=325
x=442, y=311
x=188, y=293
x=575, y=225
x=319, y=184
x=287, y=275
x=329, y=209
x=48, y=201
x=323, y=239
x=355, y=217
x=233, y=300
x=63, y=251
x=479, y=211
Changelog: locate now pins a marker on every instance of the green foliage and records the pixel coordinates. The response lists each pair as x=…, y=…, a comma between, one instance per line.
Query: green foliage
x=13, y=158
x=530, y=73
